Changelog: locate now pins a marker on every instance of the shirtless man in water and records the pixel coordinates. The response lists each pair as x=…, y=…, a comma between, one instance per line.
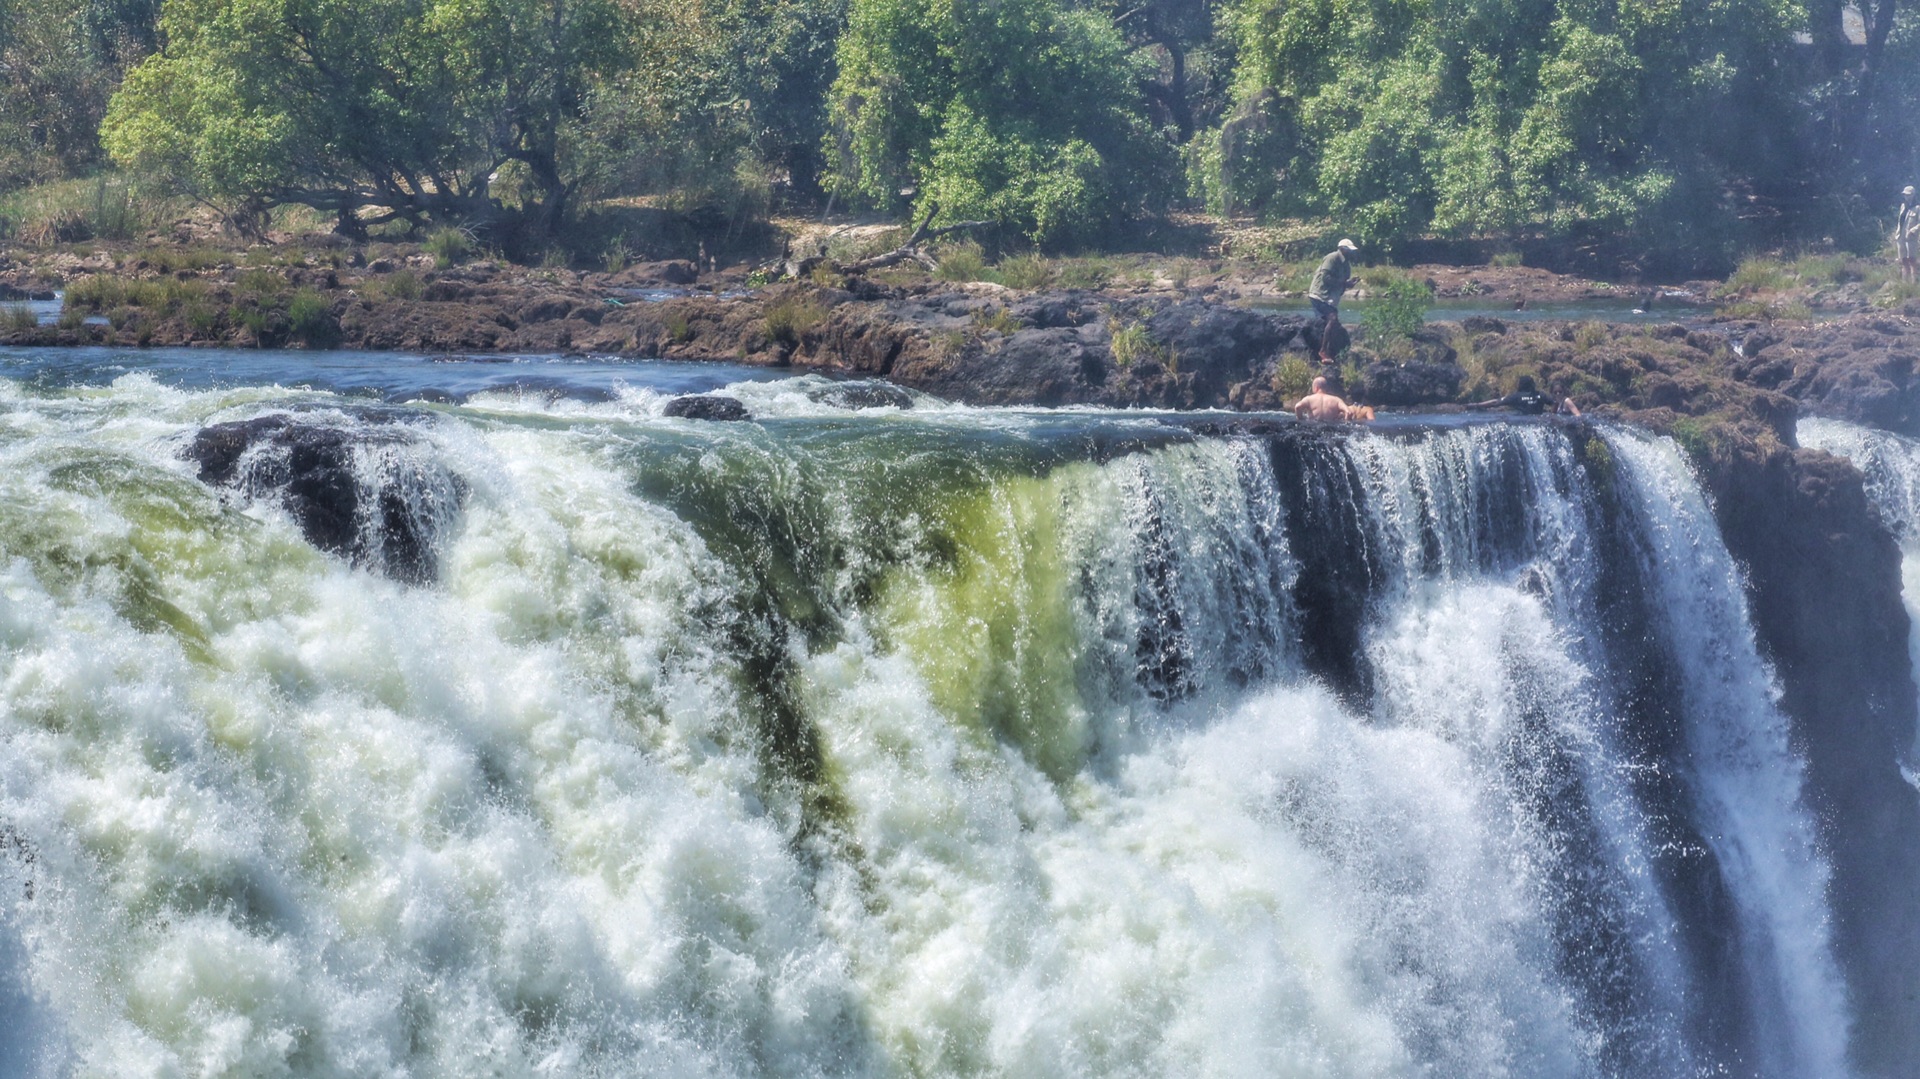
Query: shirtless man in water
x=1320, y=405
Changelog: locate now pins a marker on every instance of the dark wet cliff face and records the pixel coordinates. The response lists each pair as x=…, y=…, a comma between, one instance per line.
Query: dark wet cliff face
x=1824, y=580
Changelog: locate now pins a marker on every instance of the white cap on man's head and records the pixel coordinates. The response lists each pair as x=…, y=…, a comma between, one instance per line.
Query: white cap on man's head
x=1907, y=191
x=1346, y=245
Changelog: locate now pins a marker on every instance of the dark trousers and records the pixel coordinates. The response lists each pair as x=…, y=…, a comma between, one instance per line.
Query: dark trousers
x=1329, y=317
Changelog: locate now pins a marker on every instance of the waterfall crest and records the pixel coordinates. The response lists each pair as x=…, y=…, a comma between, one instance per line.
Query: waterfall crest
x=942, y=742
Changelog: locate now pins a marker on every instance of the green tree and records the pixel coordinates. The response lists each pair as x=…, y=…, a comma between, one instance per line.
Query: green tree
x=343, y=104
x=59, y=63
x=1025, y=112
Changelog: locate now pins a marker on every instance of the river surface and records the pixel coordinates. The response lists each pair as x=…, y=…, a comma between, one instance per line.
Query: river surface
x=925, y=741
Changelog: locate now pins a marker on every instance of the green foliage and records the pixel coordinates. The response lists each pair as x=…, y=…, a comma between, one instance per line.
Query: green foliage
x=1590, y=335
x=310, y=320
x=1396, y=306
x=105, y=207
x=18, y=318
x=792, y=317
x=449, y=246
x=1133, y=343
x=996, y=320
x=1293, y=377
x=339, y=104
x=1505, y=259
x=1024, y=112
x=398, y=285
x=1029, y=271
x=961, y=262
x=1398, y=117
x=1087, y=273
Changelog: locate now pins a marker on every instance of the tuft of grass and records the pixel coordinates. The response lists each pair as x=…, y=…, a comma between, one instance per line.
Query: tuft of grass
x=1133, y=343
x=1293, y=377
x=310, y=320
x=18, y=318
x=793, y=317
x=106, y=207
x=996, y=319
x=679, y=327
x=1757, y=274
x=616, y=256
x=449, y=246
x=398, y=285
x=961, y=262
x=1506, y=259
x=1087, y=273
x=169, y=260
x=1589, y=335
x=1029, y=271
x=1295, y=276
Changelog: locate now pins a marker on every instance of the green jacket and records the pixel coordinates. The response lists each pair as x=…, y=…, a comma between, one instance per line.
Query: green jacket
x=1332, y=279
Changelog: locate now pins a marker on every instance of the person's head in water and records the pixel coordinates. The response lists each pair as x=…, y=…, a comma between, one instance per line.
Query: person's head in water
x=1524, y=384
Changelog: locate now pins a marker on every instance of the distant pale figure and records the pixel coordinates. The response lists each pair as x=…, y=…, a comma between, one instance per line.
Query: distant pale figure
x=1906, y=233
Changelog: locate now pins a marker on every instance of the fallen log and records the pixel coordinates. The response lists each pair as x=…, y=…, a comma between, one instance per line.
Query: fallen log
x=909, y=251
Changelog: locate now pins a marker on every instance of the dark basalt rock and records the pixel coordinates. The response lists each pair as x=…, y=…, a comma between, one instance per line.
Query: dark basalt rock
x=1824, y=576
x=365, y=489
x=863, y=395
x=708, y=406
x=1415, y=383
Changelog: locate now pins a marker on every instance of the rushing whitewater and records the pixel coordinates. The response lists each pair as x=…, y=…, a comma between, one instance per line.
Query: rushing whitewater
x=931, y=741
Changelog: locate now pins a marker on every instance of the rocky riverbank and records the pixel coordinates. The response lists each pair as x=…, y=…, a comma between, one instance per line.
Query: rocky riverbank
x=1210, y=340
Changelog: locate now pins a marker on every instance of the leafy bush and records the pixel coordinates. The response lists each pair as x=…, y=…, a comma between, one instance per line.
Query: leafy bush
x=1506, y=259
x=18, y=318
x=1397, y=306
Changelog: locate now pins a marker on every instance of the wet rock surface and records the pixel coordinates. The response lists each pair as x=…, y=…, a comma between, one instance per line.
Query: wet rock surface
x=708, y=406
x=370, y=490
x=1801, y=524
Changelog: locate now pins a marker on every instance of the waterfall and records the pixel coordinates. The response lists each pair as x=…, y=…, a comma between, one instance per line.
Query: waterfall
x=930, y=741
x=1890, y=465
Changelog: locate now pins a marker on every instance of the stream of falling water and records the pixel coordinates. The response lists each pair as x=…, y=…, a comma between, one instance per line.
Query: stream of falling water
x=928, y=741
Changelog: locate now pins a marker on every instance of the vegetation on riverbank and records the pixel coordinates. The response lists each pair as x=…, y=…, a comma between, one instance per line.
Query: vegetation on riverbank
x=1618, y=136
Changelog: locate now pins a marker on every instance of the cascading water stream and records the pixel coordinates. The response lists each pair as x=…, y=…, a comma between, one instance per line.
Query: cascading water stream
x=925, y=742
x=1890, y=464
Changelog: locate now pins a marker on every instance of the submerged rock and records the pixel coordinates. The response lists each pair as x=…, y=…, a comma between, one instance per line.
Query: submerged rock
x=367, y=488
x=708, y=406
x=863, y=395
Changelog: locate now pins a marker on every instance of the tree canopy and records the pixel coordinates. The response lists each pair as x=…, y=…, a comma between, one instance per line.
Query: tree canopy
x=1683, y=125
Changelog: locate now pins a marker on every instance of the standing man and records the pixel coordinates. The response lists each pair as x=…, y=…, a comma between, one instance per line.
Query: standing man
x=1906, y=233
x=1330, y=282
